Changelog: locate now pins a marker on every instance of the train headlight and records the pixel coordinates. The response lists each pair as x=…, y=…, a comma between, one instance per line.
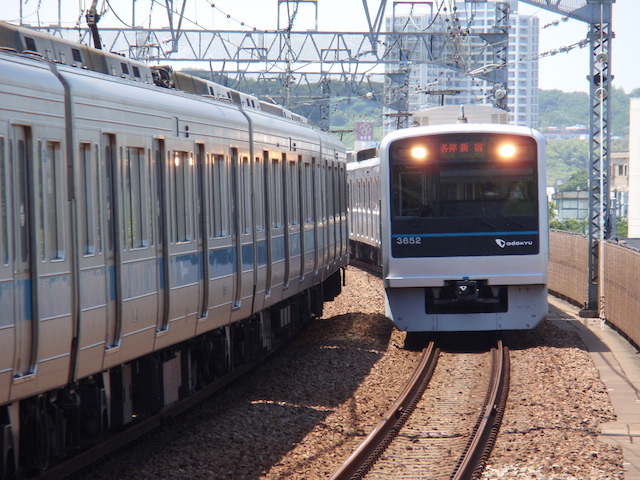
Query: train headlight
x=507, y=151
x=419, y=153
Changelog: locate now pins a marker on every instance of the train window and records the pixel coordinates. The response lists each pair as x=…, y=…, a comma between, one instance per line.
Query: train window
x=125, y=68
x=3, y=206
x=258, y=172
x=219, y=196
x=182, y=182
x=320, y=193
x=77, y=56
x=88, y=202
x=276, y=189
x=330, y=192
x=307, y=189
x=245, y=195
x=49, y=199
x=136, y=71
x=30, y=44
x=136, y=198
x=293, y=194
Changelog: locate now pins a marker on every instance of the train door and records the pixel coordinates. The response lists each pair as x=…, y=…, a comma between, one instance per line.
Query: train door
x=242, y=230
x=112, y=256
x=268, y=197
x=7, y=318
x=235, y=227
x=24, y=289
x=162, y=227
x=202, y=230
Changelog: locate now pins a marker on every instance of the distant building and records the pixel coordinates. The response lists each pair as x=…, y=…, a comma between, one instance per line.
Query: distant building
x=619, y=184
x=557, y=133
x=430, y=83
x=572, y=204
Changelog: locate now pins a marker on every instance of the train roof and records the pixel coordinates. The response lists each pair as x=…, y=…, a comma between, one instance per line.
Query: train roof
x=26, y=41
x=460, y=128
x=451, y=113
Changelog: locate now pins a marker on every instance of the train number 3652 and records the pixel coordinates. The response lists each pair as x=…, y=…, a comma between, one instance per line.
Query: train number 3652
x=408, y=240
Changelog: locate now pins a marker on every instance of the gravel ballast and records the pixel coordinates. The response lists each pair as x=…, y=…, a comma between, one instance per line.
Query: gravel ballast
x=303, y=412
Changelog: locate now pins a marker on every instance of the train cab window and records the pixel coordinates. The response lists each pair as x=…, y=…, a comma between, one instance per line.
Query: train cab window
x=50, y=202
x=136, y=198
x=463, y=184
x=219, y=196
x=182, y=194
x=3, y=206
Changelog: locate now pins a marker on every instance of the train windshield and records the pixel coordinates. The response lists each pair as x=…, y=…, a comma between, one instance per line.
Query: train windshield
x=448, y=189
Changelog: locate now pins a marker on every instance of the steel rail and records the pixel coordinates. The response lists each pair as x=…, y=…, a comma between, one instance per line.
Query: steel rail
x=473, y=460
x=363, y=458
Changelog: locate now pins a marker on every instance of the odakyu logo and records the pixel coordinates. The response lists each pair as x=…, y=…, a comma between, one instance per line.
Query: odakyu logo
x=514, y=243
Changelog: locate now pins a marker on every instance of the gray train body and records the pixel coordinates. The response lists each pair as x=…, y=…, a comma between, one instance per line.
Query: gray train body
x=151, y=239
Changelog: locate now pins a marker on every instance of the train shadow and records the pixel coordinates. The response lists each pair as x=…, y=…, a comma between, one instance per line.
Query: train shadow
x=245, y=430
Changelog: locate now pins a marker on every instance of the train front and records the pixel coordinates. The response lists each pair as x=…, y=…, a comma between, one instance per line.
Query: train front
x=465, y=229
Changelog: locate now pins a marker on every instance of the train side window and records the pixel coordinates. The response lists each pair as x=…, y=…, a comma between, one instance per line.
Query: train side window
x=136, y=198
x=330, y=192
x=182, y=173
x=3, y=206
x=219, y=196
x=276, y=189
x=246, y=195
x=306, y=190
x=30, y=44
x=88, y=201
x=293, y=194
x=319, y=192
x=50, y=205
x=258, y=182
x=125, y=68
x=77, y=56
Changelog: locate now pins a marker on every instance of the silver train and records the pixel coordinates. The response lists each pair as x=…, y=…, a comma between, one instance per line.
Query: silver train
x=156, y=231
x=457, y=217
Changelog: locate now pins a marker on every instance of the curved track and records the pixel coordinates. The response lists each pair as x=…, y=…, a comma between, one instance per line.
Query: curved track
x=472, y=460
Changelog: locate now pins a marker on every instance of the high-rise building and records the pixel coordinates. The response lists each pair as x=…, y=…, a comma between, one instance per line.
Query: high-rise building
x=447, y=72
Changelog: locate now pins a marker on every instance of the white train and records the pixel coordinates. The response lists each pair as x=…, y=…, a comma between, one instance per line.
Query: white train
x=151, y=239
x=462, y=226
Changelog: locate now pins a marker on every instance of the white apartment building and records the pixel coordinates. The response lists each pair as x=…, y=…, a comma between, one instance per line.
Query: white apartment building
x=454, y=86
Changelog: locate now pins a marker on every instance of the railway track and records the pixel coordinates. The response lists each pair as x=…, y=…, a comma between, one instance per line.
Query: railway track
x=473, y=454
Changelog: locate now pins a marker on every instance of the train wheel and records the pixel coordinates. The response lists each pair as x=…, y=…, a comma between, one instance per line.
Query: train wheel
x=36, y=435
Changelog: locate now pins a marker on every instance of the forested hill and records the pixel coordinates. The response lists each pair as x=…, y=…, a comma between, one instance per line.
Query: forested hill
x=562, y=109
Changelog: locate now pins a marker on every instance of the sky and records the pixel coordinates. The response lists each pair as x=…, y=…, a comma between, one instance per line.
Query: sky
x=564, y=71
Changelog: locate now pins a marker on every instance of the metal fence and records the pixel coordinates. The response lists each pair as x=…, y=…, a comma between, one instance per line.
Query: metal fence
x=568, y=278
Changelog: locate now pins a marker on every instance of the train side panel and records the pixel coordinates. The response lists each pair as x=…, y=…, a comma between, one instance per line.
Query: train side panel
x=36, y=326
